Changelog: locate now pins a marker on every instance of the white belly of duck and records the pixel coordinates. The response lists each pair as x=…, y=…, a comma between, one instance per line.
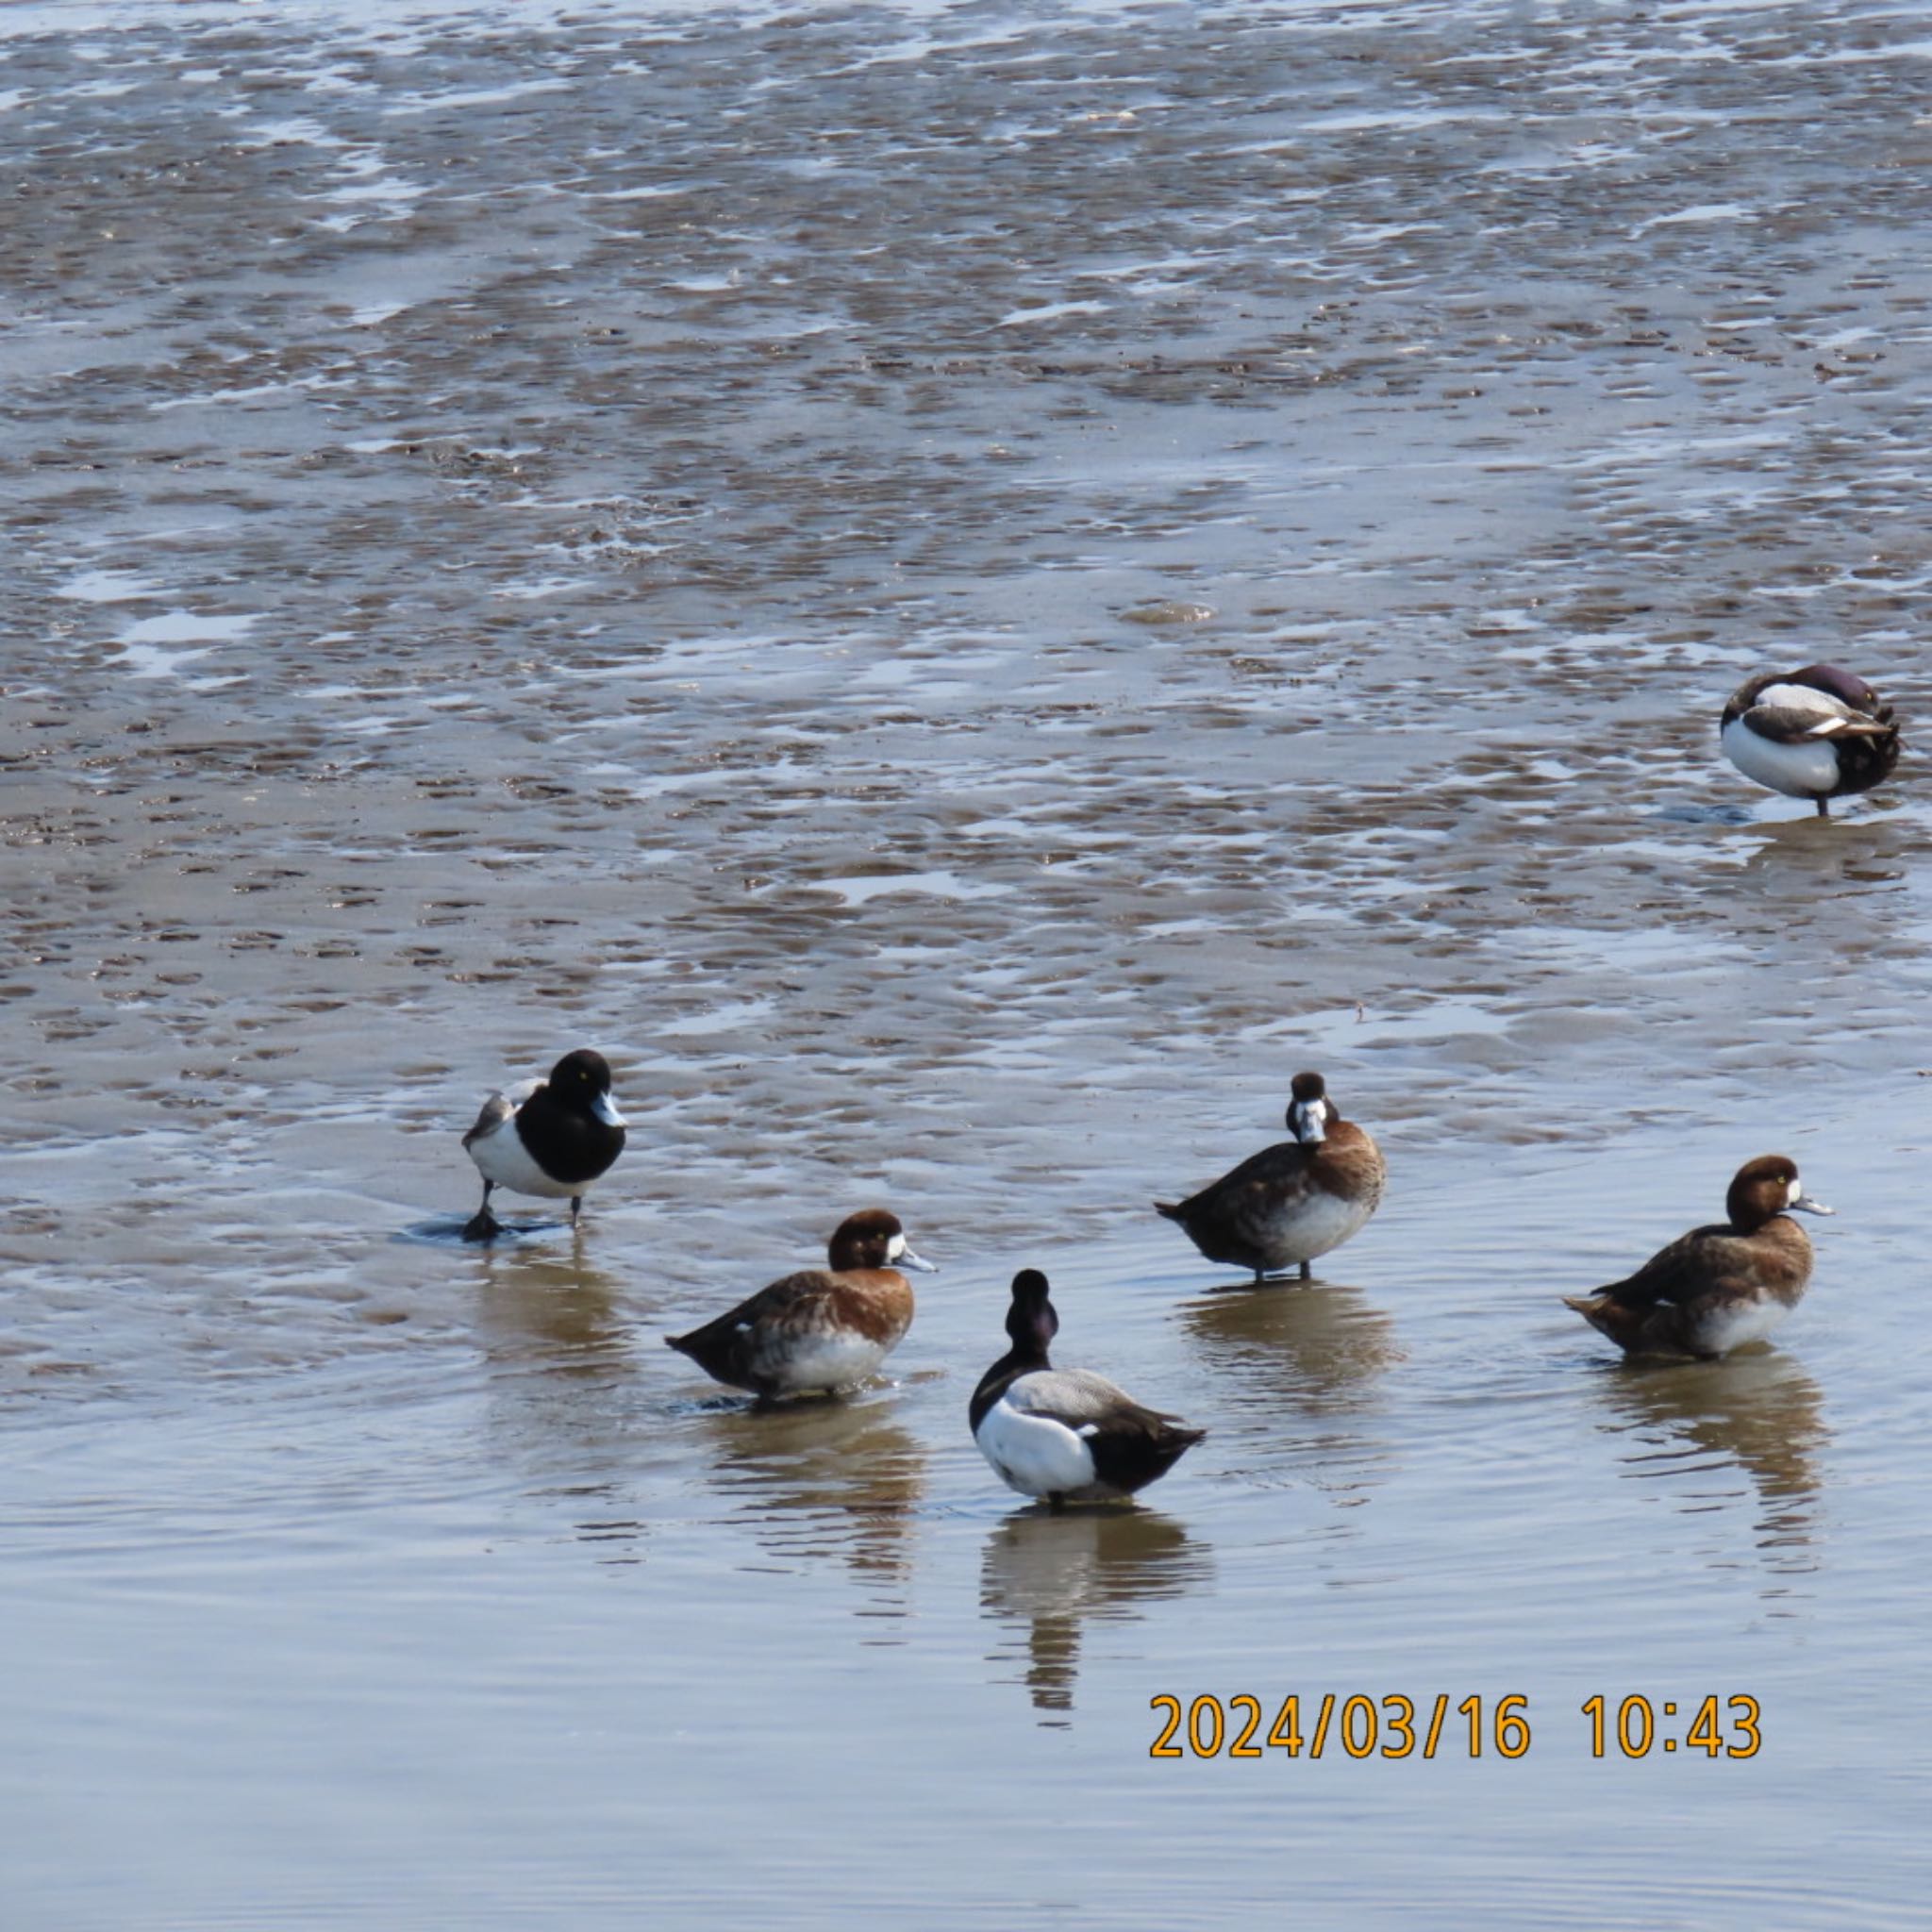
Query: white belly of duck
x=1718, y=1331
x=1037, y=1454
x=1798, y=770
x=501, y=1157
x=1318, y=1221
x=824, y=1361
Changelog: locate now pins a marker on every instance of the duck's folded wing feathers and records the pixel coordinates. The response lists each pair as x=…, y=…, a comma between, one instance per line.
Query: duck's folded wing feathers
x=777, y=1299
x=1085, y=1402
x=1791, y=725
x=495, y=1110
x=1276, y=1171
x=1685, y=1267
x=499, y=1108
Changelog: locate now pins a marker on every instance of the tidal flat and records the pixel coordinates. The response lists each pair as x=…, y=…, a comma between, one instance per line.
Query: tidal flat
x=962, y=590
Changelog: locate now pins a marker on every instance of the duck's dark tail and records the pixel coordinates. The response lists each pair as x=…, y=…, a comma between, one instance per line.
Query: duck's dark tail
x=1608, y=1316
x=711, y=1352
x=1172, y=1209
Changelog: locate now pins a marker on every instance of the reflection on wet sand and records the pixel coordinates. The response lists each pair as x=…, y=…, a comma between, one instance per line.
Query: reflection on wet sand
x=1323, y=1346
x=552, y=1312
x=828, y=1478
x=1310, y=1360
x=558, y=1352
x=1757, y=1412
x=1052, y=1572
x=1831, y=897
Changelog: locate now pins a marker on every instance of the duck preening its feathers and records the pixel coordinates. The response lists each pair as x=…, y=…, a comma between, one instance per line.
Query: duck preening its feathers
x=1820, y=733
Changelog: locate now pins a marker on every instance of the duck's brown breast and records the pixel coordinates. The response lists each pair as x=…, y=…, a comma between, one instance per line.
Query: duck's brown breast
x=1777, y=1257
x=875, y=1303
x=1349, y=1164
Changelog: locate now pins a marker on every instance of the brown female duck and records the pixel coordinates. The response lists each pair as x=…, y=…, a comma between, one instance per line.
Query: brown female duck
x=1283, y=1206
x=821, y=1330
x=1716, y=1288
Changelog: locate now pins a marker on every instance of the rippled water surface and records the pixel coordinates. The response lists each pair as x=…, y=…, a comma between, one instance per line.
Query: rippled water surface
x=962, y=589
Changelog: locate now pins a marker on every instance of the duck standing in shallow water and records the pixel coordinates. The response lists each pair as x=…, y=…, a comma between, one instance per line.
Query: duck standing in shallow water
x=549, y=1137
x=1819, y=733
x=1294, y=1201
x=821, y=1330
x=1065, y=1434
x=1716, y=1288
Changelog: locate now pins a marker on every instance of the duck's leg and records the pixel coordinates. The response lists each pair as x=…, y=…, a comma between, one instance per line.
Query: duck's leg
x=1056, y=1502
x=1307, y=1271
x=576, y=1204
x=1823, y=806
x=483, y=1226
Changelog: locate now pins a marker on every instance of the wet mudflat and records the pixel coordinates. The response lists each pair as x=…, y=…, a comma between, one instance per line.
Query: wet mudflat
x=961, y=590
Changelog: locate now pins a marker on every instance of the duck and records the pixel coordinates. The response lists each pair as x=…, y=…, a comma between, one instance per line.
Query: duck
x=819, y=1331
x=550, y=1137
x=1820, y=733
x=1716, y=1288
x=1294, y=1201
x=1065, y=1434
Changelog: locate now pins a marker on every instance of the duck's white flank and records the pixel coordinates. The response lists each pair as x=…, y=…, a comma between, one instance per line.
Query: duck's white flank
x=1037, y=1454
x=1322, y=1221
x=1752, y=1322
x=829, y=1360
x=1801, y=770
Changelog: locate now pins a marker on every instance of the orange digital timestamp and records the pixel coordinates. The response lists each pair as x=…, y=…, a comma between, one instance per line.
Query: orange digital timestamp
x=1635, y=1730
x=1358, y=1726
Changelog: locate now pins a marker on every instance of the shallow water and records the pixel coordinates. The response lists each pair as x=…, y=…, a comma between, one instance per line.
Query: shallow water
x=962, y=590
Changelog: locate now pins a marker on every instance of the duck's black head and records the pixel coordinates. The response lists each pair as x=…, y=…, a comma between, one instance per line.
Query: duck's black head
x=580, y=1083
x=1309, y=1107
x=1031, y=1323
x=584, y=1074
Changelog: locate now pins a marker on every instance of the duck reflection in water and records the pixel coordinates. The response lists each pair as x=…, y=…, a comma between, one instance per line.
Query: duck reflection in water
x=562, y=1366
x=549, y=1312
x=1758, y=1413
x=1306, y=1368
x=1829, y=894
x=1323, y=1344
x=1054, y=1573
x=823, y=1479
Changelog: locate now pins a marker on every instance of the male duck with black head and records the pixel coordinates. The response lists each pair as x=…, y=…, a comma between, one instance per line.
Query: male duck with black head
x=1716, y=1288
x=1291, y=1201
x=1820, y=733
x=822, y=1330
x=1065, y=1434
x=551, y=1138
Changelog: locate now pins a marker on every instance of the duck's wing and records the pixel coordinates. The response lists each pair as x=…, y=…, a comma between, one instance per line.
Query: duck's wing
x=500, y=1108
x=777, y=1300
x=1278, y=1173
x=1088, y=1404
x=1820, y=717
x=1688, y=1266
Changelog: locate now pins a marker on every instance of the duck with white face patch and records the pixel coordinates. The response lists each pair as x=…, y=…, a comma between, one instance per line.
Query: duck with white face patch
x=822, y=1330
x=1283, y=1206
x=549, y=1138
x=1820, y=733
x=1716, y=1288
